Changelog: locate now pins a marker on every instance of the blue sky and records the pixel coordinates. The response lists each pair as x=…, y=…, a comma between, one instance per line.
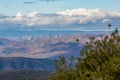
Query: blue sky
x=11, y=7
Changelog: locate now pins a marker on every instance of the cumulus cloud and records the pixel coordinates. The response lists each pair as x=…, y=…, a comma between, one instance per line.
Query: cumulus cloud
x=90, y=15
x=65, y=19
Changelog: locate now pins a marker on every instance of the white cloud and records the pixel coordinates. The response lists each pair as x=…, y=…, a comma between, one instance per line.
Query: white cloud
x=90, y=14
x=63, y=19
x=19, y=14
x=81, y=12
x=114, y=14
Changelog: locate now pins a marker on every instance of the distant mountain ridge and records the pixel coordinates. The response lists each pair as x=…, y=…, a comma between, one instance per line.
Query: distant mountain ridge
x=20, y=63
x=42, y=47
x=38, y=53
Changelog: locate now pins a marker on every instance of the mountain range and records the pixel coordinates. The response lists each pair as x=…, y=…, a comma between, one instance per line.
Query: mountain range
x=19, y=63
x=38, y=47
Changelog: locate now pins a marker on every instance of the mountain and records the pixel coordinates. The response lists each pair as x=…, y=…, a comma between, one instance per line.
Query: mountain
x=19, y=63
x=42, y=47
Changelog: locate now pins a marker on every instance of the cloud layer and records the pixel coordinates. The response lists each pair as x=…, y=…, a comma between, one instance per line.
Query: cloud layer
x=68, y=19
x=90, y=15
x=49, y=0
x=32, y=2
x=28, y=2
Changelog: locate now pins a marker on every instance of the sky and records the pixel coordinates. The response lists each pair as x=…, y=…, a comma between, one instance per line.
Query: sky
x=11, y=7
x=59, y=14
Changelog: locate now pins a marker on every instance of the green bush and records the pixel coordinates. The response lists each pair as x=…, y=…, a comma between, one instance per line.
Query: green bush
x=98, y=60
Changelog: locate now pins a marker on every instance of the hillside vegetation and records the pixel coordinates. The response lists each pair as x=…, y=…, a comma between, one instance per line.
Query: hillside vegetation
x=98, y=60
